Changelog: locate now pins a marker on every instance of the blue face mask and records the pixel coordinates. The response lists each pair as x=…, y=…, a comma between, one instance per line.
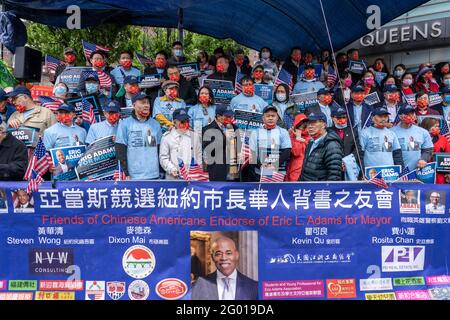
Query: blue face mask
x=91, y=87
x=60, y=90
x=341, y=126
x=178, y=52
x=447, y=82
x=447, y=99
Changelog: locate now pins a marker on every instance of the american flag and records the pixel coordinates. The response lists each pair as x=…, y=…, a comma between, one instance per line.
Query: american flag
x=331, y=77
x=237, y=82
x=196, y=172
x=407, y=175
x=143, y=60
x=40, y=161
x=89, y=47
x=50, y=103
x=246, y=152
x=445, y=130
x=284, y=77
x=34, y=182
x=51, y=62
x=88, y=112
x=379, y=182
x=274, y=177
x=183, y=171
x=119, y=175
x=104, y=78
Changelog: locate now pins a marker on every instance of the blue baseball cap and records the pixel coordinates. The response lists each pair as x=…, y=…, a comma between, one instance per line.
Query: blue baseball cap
x=91, y=76
x=390, y=88
x=19, y=90
x=112, y=106
x=66, y=107
x=316, y=116
x=130, y=80
x=338, y=112
x=445, y=90
x=323, y=91
x=222, y=110
x=380, y=111
x=2, y=95
x=270, y=108
x=405, y=109
x=139, y=96
x=358, y=88
x=180, y=114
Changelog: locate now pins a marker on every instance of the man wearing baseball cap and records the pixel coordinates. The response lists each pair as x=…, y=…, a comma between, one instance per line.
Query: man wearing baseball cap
x=270, y=146
x=415, y=142
x=392, y=102
x=380, y=145
x=180, y=143
x=217, y=149
x=6, y=108
x=107, y=127
x=27, y=112
x=359, y=111
x=324, y=152
x=137, y=141
x=325, y=104
x=70, y=59
x=131, y=87
x=164, y=106
x=64, y=133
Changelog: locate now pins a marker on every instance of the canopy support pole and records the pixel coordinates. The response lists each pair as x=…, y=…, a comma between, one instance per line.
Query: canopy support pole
x=2, y=7
x=180, y=25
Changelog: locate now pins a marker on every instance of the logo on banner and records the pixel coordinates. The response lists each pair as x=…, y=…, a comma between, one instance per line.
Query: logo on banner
x=138, y=261
x=402, y=258
x=171, y=289
x=138, y=290
x=95, y=290
x=50, y=261
x=115, y=289
x=341, y=288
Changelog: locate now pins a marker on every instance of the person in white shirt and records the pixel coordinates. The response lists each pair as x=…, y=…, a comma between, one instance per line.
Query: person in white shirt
x=434, y=206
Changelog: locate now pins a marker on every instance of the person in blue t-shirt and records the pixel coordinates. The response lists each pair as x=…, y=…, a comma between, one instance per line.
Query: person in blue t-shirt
x=107, y=127
x=137, y=142
x=380, y=145
x=416, y=143
x=126, y=68
x=163, y=107
x=309, y=83
x=247, y=100
x=204, y=112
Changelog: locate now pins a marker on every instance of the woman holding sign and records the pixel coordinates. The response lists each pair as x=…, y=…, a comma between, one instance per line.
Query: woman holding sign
x=204, y=112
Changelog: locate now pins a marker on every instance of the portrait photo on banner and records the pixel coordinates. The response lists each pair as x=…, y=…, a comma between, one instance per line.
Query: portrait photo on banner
x=3, y=201
x=23, y=201
x=409, y=201
x=224, y=265
x=435, y=202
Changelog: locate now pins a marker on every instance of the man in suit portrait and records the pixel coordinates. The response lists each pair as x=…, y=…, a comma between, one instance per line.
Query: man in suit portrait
x=226, y=283
x=434, y=206
x=413, y=145
x=386, y=146
x=409, y=197
x=23, y=200
x=62, y=166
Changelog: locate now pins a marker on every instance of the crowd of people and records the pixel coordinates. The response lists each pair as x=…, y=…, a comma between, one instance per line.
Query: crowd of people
x=177, y=123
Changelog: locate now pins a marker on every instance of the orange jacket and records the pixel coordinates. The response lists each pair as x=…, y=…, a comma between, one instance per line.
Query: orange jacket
x=294, y=167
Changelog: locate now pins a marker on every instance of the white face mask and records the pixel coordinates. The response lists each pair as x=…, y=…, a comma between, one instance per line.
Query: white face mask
x=281, y=97
x=265, y=55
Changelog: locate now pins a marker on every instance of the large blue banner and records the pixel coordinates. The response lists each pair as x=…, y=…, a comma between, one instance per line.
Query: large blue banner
x=155, y=240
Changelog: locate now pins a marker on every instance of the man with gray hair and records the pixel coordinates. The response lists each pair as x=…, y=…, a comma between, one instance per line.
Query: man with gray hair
x=226, y=283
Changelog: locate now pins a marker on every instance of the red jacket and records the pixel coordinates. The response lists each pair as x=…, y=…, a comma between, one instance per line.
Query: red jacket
x=434, y=87
x=441, y=146
x=294, y=167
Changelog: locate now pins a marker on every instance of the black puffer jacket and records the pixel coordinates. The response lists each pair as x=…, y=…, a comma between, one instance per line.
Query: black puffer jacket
x=325, y=161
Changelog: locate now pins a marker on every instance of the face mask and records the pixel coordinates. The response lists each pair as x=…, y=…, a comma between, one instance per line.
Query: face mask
x=69, y=58
x=270, y=126
x=398, y=73
x=435, y=131
x=133, y=89
x=144, y=113
x=281, y=97
x=297, y=57
x=60, y=90
x=327, y=100
x=358, y=97
x=174, y=77
x=355, y=56
x=410, y=119
x=348, y=83
x=447, y=82
x=99, y=64
x=64, y=118
x=407, y=82
x=422, y=104
x=239, y=61
x=203, y=100
x=183, y=126
x=258, y=74
x=341, y=123
x=305, y=132
x=178, y=52
x=227, y=120
x=369, y=81
x=126, y=64
x=445, y=70
x=173, y=94
x=160, y=63
x=249, y=90
x=393, y=97
x=447, y=99
x=265, y=55
x=20, y=108
x=309, y=74
x=381, y=125
x=378, y=67
x=220, y=68
x=91, y=87
x=113, y=118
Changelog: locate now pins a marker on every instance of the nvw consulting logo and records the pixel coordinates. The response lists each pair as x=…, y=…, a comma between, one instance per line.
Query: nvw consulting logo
x=50, y=261
x=402, y=258
x=138, y=262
